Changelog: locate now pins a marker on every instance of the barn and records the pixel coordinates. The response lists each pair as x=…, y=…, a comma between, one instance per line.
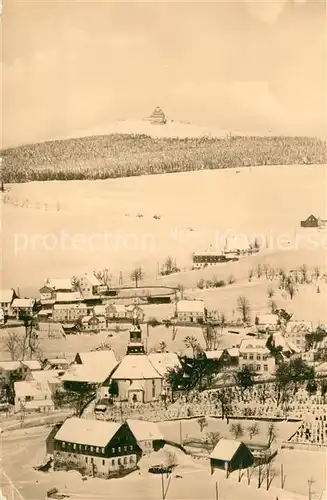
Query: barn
x=230, y=455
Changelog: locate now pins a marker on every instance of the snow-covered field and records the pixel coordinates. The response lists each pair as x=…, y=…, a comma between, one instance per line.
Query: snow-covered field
x=110, y=224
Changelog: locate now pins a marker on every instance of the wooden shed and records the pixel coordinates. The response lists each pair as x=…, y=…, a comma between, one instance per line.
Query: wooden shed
x=230, y=455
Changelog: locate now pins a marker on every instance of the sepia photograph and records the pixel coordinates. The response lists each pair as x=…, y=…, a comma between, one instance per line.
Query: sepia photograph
x=163, y=270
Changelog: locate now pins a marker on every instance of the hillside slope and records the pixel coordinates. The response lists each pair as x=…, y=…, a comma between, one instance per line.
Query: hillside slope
x=126, y=155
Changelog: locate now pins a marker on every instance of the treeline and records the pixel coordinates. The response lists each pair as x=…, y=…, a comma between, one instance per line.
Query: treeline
x=122, y=155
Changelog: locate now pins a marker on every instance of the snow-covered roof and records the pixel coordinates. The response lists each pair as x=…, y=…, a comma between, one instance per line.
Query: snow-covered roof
x=32, y=364
x=119, y=308
x=92, y=279
x=87, y=432
x=93, y=358
x=135, y=367
x=225, y=449
x=145, y=431
x=137, y=385
x=59, y=307
x=59, y=283
x=23, y=302
x=68, y=296
x=99, y=310
x=190, y=306
x=164, y=361
x=214, y=354
x=51, y=376
x=254, y=345
x=88, y=373
x=267, y=319
x=6, y=295
x=285, y=344
x=31, y=388
x=10, y=366
x=57, y=361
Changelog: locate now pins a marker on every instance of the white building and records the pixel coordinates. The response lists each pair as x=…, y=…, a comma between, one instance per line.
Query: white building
x=23, y=306
x=32, y=395
x=255, y=354
x=296, y=331
x=89, y=285
x=6, y=299
x=148, y=435
x=92, y=368
x=93, y=323
x=190, y=311
x=69, y=312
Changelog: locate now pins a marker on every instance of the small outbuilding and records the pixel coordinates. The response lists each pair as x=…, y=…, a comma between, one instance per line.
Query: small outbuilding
x=230, y=455
x=311, y=221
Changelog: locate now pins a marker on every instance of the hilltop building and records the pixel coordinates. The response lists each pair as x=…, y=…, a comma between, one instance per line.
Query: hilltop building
x=310, y=221
x=158, y=117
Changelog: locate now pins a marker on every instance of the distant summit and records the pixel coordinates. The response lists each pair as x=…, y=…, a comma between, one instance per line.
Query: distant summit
x=158, y=117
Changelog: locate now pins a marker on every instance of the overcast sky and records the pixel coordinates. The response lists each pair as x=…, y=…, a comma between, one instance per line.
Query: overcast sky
x=249, y=66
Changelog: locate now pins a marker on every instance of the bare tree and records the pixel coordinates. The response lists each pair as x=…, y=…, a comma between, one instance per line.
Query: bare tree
x=272, y=306
x=243, y=306
x=250, y=273
x=253, y=429
x=316, y=273
x=174, y=331
x=289, y=287
x=271, y=433
x=222, y=321
x=237, y=430
x=137, y=275
x=210, y=336
x=12, y=345
x=162, y=346
x=266, y=270
x=270, y=292
x=191, y=342
x=304, y=273
x=29, y=343
x=202, y=421
x=259, y=270
x=212, y=439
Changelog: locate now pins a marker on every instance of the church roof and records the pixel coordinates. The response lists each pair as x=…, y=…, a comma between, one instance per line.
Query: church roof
x=135, y=367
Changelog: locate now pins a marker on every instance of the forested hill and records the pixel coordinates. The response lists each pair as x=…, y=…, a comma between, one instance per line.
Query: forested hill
x=125, y=155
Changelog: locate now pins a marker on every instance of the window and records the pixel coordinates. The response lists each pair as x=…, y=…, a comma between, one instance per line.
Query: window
x=265, y=368
x=131, y=459
x=258, y=368
x=112, y=462
x=74, y=446
x=63, y=444
x=251, y=357
x=102, y=450
x=97, y=449
x=264, y=357
x=86, y=459
x=258, y=357
x=92, y=449
x=113, y=450
x=131, y=447
x=245, y=356
x=92, y=460
x=125, y=448
x=119, y=461
x=119, y=449
x=153, y=389
x=125, y=460
x=103, y=462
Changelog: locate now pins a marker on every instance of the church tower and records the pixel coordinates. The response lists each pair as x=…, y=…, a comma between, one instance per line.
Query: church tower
x=135, y=345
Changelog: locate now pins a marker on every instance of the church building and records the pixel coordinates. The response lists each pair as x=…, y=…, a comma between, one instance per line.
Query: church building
x=136, y=378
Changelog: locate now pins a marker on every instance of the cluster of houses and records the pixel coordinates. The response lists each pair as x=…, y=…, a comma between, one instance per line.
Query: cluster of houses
x=139, y=377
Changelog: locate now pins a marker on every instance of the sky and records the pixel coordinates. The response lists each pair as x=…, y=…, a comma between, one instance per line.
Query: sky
x=252, y=66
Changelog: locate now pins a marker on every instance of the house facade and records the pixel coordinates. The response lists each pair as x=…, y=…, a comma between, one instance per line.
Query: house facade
x=23, y=307
x=32, y=396
x=6, y=300
x=191, y=311
x=135, y=312
x=95, y=448
x=115, y=311
x=93, y=323
x=68, y=312
x=295, y=331
x=89, y=285
x=255, y=355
